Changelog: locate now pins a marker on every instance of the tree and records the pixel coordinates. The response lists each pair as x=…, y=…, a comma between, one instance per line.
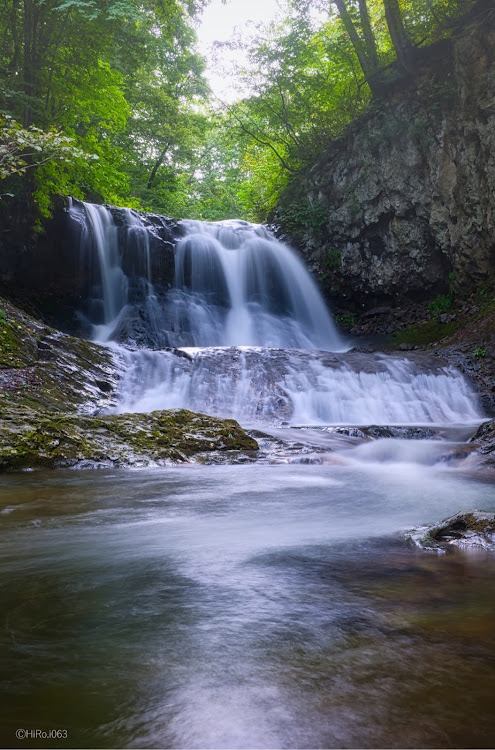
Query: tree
x=400, y=40
x=115, y=76
x=364, y=44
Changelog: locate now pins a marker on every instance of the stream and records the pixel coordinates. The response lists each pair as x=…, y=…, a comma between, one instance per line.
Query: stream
x=271, y=603
x=244, y=606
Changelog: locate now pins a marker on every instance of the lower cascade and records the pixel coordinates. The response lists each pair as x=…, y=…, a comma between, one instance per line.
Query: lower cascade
x=243, y=332
x=302, y=388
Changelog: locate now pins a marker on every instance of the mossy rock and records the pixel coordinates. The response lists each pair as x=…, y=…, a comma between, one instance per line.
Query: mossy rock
x=473, y=529
x=422, y=334
x=41, y=367
x=31, y=439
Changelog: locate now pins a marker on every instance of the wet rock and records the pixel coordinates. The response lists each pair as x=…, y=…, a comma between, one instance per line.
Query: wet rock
x=468, y=530
x=43, y=368
x=484, y=440
x=32, y=439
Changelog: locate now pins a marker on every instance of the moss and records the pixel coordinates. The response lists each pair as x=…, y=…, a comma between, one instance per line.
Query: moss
x=462, y=523
x=46, y=376
x=17, y=343
x=40, y=367
x=420, y=334
x=33, y=439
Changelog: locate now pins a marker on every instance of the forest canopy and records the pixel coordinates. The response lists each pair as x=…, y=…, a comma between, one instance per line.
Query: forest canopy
x=107, y=100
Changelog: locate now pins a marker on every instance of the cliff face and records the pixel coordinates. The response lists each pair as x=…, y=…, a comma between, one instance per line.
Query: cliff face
x=403, y=206
x=53, y=275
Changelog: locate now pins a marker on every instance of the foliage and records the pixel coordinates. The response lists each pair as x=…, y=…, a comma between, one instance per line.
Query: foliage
x=480, y=353
x=112, y=92
x=308, y=82
x=347, y=320
x=116, y=79
x=24, y=149
x=440, y=304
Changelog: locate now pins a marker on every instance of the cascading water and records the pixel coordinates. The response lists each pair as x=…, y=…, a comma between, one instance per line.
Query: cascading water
x=259, y=330
x=256, y=385
x=243, y=288
x=100, y=235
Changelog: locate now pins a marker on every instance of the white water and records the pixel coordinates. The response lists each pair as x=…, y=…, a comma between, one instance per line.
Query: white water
x=266, y=385
x=113, y=280
x=250, y=301
x=246, y=289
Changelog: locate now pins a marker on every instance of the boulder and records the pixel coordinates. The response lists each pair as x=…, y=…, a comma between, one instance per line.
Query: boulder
x=466, y=530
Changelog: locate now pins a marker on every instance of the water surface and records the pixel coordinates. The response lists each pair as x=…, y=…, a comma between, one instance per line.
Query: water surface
x=256, y=606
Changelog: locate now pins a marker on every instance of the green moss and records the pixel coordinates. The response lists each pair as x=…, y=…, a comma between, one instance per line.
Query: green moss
x=45, y=368
x=421, y=334
x=17, y=347
x=34, y=439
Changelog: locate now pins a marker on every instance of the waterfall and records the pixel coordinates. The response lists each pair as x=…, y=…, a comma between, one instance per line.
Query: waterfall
x=243, y=288
x=119, y=259
x=257, y=385
x=99, y=243
x=240, y=330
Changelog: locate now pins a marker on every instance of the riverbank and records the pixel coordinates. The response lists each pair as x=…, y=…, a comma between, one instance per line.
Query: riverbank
x=54, y=392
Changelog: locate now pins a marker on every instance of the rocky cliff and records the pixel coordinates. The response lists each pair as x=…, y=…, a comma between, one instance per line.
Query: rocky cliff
x=52, y=274
x=402, y=207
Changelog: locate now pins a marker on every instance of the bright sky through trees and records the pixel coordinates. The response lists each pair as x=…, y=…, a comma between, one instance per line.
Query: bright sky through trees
x=228, y=24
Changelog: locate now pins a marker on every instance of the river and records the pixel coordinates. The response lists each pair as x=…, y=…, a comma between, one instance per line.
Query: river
x=261, y=605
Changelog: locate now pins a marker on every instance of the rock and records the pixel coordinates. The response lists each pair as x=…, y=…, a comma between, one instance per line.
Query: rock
x=43, y=368
x=484, y=440
x=377, y=311
x=48, y=407
x=403, y=432
x=406, y=196
x=35, y=439
x=48, y=278
x=467, y=530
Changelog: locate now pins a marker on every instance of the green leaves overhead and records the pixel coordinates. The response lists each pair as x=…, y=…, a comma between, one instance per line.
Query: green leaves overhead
x=107, y=99
x=118, y=78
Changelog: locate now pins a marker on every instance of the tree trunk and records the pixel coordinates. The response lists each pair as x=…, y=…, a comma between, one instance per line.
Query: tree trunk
x=368, y=58
x=158, y=163
x=27, y=72
x=398, y=34
x=369, y=37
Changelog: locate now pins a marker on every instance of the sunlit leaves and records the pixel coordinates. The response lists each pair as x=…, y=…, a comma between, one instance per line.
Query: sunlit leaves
x=23, y=149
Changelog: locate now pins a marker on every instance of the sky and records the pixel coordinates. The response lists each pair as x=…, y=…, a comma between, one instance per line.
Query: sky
x=218, y=24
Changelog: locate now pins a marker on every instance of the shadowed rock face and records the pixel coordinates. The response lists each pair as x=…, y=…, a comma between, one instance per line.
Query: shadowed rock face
x=468, y=530
x=405, y=198
x=484, y=439
x=53, y=275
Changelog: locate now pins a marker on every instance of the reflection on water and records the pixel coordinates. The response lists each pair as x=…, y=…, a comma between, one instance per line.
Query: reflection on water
x=244, y=606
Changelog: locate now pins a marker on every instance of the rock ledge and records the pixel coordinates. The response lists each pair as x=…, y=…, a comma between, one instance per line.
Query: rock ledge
x=30, y=439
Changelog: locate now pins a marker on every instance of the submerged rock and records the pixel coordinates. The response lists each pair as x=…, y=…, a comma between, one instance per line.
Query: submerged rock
x=468, y=530
x=30, y=439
